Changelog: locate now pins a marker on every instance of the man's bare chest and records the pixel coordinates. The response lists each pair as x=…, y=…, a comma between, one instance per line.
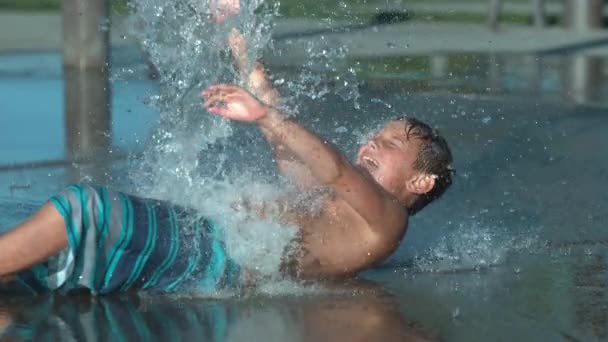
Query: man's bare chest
x=336, y=220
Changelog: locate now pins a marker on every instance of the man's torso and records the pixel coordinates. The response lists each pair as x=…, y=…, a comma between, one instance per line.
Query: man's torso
x=337, y=241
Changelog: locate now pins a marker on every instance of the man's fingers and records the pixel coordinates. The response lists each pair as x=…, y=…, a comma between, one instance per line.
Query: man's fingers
x=220, y=99
x=221, y=88
x=214, y=98
x=217, y=95
x=224, y=8
x=229, y=88
x=223, y=94
x=218, y=111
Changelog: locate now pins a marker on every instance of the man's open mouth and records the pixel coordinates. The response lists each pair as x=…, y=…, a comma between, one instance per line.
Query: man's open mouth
x=370, y=162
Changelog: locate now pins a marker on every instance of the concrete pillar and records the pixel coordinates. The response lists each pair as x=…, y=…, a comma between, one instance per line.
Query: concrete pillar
x=539, y=13
x=87, y=90
x=494, y=14
x=495, y=74
x=583, y=78
x=582, y=15
x=439, y=66
x=535, y=64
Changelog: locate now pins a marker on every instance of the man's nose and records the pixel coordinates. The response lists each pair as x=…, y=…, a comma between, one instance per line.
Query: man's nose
x=372, y=144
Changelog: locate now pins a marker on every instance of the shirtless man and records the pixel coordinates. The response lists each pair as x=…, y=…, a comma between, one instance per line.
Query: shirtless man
x=107, y=241
x=402, y=168
x=365, y=218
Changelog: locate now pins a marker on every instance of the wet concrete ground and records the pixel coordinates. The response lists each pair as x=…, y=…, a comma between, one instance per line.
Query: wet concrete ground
x=551, y=298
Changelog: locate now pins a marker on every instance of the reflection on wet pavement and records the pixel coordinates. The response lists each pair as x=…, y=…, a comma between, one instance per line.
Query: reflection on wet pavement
x=361, y=313
x=549, y=295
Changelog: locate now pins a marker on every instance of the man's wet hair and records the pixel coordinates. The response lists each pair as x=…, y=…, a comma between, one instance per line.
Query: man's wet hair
x=434, y=158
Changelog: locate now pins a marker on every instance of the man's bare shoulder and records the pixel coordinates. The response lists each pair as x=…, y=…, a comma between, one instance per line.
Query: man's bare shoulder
x=339, y=241
x=376, y=205
x=385, y=235
x=379, y=237
x=392, y=219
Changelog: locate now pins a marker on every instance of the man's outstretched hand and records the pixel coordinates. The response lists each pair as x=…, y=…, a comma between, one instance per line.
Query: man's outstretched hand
x=233, y=102
x=224, y=8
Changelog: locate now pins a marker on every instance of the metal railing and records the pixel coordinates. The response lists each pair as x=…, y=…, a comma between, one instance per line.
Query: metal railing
x=576, y=14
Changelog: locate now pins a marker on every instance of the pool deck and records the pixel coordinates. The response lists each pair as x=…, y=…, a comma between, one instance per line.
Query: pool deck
x=471, y=7
x=42, y=31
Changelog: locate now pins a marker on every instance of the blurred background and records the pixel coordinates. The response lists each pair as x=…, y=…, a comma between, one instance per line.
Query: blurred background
x=551, y=50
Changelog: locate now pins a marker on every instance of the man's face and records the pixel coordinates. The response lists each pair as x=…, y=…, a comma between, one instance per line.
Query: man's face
x=389, y=157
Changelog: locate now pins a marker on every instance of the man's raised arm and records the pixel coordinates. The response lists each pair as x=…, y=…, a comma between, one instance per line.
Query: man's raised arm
x=327, y=165
x=257, y=82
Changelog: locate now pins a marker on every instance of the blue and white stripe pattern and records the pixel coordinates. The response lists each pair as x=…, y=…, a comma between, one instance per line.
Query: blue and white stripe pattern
x=119, y=242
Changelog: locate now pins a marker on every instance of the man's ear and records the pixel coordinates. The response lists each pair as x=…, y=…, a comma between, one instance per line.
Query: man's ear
x=421, y=183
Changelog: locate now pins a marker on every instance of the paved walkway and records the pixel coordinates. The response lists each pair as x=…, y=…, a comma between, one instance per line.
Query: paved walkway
x=477, y=7
x=43, y=31
x=437, y=38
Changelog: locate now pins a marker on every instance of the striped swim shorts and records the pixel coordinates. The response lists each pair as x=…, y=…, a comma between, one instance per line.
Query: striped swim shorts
x=119, y=242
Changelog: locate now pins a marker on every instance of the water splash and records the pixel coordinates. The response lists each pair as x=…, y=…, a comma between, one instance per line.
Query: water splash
x=326, y=70
x=189, y=51
x=184, y=162
x=190, y=158
x=472, y=246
